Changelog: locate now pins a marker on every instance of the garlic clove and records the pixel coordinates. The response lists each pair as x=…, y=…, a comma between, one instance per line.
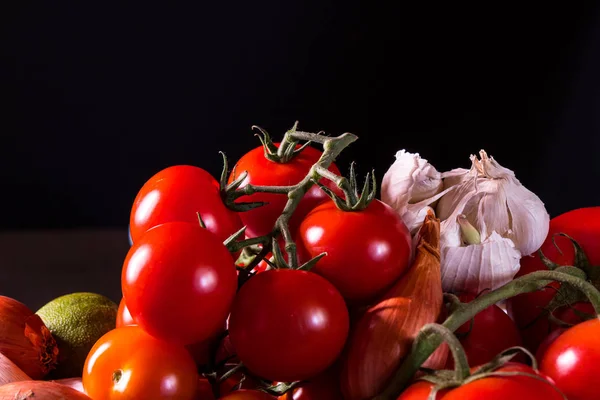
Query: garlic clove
x=473, y=268
x=410, y=179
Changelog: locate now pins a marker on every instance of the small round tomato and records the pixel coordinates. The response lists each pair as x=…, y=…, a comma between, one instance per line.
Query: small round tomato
x=127, y=363
x=488, y=334
x=179, y=282
x=367, y=250
x=543, y=347
x=204, y=391
x=178, y=193
x=492, y=387
x=323, y=386
x=572, y=360
x=123, y=316
x=247, y=394
x=288, y=325
x=264, y=172
x=583, y=225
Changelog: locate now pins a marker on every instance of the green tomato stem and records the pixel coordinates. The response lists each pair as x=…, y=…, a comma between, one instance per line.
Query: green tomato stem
x=428, y=343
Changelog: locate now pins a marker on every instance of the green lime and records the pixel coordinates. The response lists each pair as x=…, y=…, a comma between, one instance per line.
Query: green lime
x=77, y=321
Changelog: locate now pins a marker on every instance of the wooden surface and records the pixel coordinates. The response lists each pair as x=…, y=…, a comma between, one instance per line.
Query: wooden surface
x=38, y=266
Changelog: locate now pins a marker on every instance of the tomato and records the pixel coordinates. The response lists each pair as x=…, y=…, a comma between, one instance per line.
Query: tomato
x=487, y=335
x=178, y=193
x=204, y=391
x=179, y=282
x=583, y=225
x=264, y=172
x=572, y=360
x=367, y=250
x=288, y=325
x=127, y=363
x=246, y=394
x=492, y=387
x=323, y=386
x=543, y=347
x=123, y=315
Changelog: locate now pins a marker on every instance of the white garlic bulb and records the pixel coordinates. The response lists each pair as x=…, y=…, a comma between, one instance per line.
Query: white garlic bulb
x=410, y=186
x=493, y=200
x=489, y=221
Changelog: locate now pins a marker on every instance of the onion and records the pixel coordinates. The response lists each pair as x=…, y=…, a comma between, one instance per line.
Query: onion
x=9, y=372
x=25, y=340
x=74, y=383
x=34, y=390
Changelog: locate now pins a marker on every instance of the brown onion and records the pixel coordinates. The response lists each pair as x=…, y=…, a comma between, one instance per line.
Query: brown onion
x=25, y=340
x=34, y=390
x=74, y=383
x=9, y=372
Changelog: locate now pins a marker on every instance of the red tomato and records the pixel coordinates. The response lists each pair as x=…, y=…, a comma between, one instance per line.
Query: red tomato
x=572, y=361
x=323, y=386
x=583, y=225
x=245, y=394
x=179, y=282
x=127, y=363
x=178, y=193
x=543, y=347
x=204, y=391
x=123, y=316
x=263, y=172
x=487, y=335
x=288, y=325
x=492, y=387
x=367, y=250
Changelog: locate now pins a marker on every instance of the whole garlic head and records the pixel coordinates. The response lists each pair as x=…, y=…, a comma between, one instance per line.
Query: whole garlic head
x=493, y=200
x=410, y=186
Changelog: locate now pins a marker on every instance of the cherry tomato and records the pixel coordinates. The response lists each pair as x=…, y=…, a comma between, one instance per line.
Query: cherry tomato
x=323, y=386
x=492, y=387
x=288, y=325
x=264, y=172
x=543, y=347
x=127, y=363
x=487, y=335
x=179, y=282
x=178, y=193
x=123, y=316
x=204, y=391
x=583, y=225
x=367, y=250
x=246, y=394
x=572, y=361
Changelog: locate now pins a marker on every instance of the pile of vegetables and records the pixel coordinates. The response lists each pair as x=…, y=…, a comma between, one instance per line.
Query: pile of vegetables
x=285, y=279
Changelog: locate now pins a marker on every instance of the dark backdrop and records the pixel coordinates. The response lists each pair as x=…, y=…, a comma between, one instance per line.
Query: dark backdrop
x=98, y=98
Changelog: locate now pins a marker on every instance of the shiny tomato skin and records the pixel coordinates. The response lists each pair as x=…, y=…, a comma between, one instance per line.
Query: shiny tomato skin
x=123, y=315
x=323, y=386
x=490, y=332
x=543, y=347
x=581, y=224
x=263, y=172
x=178, y=193
x=572, y=360
x=149, y=368
x=367, y=251
x=420, y=390
x=288, y=325
x=179, y=282
x=248, y=394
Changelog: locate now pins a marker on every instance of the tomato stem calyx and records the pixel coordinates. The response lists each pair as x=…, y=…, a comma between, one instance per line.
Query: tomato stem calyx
x=354, y=200
x=428, y=343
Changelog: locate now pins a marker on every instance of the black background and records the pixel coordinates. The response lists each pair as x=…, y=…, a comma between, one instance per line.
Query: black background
x=98, y=98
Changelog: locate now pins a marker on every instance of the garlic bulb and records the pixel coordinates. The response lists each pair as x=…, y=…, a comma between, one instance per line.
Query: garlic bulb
x=489, y=221
x=493, y=200
x=410, y=186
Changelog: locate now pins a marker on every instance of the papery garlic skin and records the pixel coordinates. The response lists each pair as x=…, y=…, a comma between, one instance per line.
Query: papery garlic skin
x=493, y=200
x=473, y=268
x=409, y=187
